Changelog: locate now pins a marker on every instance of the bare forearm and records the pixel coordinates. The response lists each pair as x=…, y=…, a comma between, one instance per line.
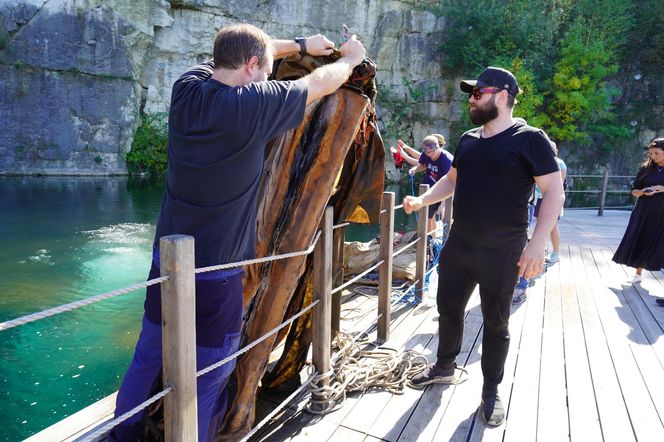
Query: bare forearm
x=549, y=211
x=408, y=159
x=411, y=151
x=326, y=79
x=440, y=191
x=284, y=48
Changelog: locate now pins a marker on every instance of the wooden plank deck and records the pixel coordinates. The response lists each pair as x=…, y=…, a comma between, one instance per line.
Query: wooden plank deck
x=586, y=361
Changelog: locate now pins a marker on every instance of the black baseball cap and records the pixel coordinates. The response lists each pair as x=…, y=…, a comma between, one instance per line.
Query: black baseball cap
x=493, y=76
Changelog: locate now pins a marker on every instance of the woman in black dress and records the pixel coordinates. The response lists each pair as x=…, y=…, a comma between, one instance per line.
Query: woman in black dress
x=642, y=245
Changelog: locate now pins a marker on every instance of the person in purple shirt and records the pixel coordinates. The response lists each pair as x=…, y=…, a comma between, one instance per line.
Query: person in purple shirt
x=222, y=114
x=435, y=163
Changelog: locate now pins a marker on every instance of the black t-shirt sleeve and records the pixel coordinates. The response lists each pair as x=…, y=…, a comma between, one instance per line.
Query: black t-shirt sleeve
x=281, y=105
x=539, y=154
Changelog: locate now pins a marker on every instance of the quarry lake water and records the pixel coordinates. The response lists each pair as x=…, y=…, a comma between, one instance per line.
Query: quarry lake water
x=63, y=239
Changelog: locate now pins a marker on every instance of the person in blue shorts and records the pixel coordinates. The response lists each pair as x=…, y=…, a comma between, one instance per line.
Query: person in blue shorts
x=222, y=114
x=435, y=162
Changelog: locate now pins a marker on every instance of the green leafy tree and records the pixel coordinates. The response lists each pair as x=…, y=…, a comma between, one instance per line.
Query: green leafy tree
x=581, y=100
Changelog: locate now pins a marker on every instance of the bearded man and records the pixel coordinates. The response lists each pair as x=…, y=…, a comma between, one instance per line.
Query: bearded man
x=495, y=168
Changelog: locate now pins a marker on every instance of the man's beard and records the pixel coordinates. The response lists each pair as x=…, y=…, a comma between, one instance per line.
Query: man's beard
x=481, y=115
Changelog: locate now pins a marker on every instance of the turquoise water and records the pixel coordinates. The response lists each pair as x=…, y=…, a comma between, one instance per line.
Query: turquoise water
x=63, y=239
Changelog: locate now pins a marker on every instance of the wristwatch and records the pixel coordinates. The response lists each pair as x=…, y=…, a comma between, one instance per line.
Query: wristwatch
x=302, y=41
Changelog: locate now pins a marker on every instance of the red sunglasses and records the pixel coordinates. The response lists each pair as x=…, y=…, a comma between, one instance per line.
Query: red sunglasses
x=477, y=93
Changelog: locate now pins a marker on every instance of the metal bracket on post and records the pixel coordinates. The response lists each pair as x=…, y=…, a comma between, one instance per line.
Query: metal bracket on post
x=322, y=321
x=421, y=250
x=385, y=270
x=178, y=317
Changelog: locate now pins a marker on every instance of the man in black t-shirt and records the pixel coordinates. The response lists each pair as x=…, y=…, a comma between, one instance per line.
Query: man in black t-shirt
x=493, y=173
x=222, y=114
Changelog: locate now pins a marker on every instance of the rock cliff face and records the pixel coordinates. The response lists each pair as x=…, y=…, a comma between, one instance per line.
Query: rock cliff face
x=76, y=74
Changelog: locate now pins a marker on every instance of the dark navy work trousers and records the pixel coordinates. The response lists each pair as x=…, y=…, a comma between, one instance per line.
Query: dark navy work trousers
x=218, y=322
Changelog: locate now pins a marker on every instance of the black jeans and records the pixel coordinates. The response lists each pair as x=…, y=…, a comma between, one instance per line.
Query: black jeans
x=461, y=269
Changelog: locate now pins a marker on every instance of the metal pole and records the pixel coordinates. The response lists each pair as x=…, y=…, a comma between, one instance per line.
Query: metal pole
x=385, y=270
x=602, y=198
x=178, y=310
x=421, y=250
x=322, y=286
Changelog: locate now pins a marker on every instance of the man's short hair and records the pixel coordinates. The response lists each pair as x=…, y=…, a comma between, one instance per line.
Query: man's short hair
x=511, y=101
x=236, y=44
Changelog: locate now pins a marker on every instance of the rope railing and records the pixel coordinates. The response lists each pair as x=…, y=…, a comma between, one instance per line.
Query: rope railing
x=358, y=277
x=631, y=206
x=261, y=260
x=395, y=209
x=256, y=342
x=78, y=304
x=118, y=420
x=338, y=226
x=121, y=291
x=618, y=191
x=599, y=176
x=404, y=248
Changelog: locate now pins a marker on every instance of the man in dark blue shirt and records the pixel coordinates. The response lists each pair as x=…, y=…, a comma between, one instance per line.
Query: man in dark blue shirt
x=494, y=171
x=222, y=114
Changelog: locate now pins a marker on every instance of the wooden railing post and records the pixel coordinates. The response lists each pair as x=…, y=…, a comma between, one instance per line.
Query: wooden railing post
x=385, y=270
x=447, y=219
x=602, y=198
x=178, y=317
x=421, y=251
x=338, y=239
x=322, y=286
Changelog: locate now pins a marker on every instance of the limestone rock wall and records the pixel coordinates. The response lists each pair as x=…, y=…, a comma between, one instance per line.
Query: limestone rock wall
x=75, y=74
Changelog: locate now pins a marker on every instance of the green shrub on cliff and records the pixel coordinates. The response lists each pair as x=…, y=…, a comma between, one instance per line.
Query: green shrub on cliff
x=148, y=154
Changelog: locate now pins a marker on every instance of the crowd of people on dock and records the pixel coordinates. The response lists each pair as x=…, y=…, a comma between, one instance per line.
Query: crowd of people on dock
x=222, y=113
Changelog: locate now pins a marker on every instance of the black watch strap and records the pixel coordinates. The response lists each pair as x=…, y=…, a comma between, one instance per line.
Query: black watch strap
x=302, y=41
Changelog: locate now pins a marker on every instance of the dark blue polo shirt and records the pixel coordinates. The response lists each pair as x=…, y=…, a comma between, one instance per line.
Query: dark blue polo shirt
x=216, y=146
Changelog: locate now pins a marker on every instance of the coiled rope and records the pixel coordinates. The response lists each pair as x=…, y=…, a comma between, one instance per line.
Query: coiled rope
x=358, y=369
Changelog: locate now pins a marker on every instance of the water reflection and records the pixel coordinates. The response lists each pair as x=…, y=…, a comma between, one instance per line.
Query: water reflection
x=64, y=239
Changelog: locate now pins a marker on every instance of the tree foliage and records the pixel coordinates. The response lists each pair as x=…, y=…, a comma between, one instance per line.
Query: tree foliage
x=565, y=54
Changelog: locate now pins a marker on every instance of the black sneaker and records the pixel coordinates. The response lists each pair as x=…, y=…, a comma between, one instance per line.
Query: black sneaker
x=492, y=409
x=659, y=302
x=434, y=374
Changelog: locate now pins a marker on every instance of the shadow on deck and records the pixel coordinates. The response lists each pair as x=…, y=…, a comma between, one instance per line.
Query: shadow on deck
x=585, y=363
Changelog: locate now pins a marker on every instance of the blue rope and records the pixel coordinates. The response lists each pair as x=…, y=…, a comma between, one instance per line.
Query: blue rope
x=411, y=296
x=412, y=191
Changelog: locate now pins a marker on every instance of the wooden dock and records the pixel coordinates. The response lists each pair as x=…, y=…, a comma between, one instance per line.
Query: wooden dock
x=585, y=363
